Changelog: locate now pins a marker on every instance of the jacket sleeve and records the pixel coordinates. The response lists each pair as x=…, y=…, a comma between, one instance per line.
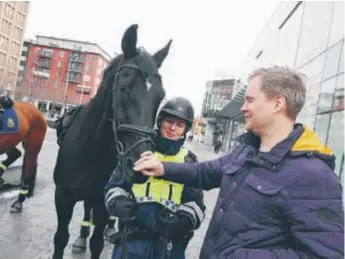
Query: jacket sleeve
x=114, y=188
x=205, y=175
x=316, y=220
x=192, y=203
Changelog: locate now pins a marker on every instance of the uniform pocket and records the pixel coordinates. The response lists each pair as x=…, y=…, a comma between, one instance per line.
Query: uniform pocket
x=263, y=186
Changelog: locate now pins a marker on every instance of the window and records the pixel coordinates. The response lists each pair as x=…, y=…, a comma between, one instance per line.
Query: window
x=56, y=84
x=58, y=73
x=59, y=64
x=44, y=82
x=336, y=138
x=341, y=65
x=321, y=126
x=332, y=61
x=326, y=96
x=315, y=31
x=338, y=102
x=86, y=78
x=61, y=54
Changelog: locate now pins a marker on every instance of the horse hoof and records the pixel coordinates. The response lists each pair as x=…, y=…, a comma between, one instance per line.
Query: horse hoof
x=16, y=207
x=79, y=245
x=109, y=232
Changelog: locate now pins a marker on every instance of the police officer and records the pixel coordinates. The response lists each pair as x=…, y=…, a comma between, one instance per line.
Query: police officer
x=166, y=213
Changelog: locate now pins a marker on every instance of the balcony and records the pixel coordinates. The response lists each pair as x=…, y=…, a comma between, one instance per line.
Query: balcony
x=84, y=89
x=45, y=64
x=76, y=57
x=76, y=70
x=74, y=80
x=41, y=73
x=46, y=53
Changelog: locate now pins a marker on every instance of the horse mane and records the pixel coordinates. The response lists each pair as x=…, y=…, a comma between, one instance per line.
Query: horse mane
x=92, y=138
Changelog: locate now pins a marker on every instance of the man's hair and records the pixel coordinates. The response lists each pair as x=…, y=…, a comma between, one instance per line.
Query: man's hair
x=278, y=80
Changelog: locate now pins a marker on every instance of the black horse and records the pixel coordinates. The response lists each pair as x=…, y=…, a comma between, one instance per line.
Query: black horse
x=119, y=120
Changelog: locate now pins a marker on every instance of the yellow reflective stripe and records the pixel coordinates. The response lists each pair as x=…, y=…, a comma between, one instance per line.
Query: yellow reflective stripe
x=112, y=218
x=86, y=223
x=159, y=189
x=23, y=191
x=2, y=166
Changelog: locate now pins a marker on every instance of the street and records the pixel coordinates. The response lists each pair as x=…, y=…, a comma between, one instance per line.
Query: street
x=30, y=234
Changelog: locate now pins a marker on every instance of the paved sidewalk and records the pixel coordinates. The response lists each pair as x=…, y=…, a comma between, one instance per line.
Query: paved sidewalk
x=30, y=234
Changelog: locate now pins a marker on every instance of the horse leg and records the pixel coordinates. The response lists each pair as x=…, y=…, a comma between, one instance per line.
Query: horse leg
x=27, y=185
x=100, y=217
x=12, y=155
x=32, y=144
x=64, y=205
x=110, y=229
x=80, y=244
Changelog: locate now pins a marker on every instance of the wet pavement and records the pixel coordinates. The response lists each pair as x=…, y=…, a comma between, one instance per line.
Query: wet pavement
x=30, y=234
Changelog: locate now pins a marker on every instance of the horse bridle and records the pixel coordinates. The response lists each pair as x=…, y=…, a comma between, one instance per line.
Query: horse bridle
x=118, y=127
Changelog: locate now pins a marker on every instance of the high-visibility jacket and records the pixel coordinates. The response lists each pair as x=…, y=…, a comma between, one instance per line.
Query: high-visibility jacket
x=159, y=190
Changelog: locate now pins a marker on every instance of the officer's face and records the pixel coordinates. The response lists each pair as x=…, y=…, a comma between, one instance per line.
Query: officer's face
x=172, y=128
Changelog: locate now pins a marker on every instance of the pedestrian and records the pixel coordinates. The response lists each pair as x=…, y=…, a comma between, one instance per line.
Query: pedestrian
x=167, y=213
x=217, y=146
x=279, y=197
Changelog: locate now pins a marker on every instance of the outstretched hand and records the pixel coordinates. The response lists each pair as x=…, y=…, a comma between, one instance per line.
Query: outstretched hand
x=149, y=165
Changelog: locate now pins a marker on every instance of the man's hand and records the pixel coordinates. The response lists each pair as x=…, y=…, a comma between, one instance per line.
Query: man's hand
x=149, y=165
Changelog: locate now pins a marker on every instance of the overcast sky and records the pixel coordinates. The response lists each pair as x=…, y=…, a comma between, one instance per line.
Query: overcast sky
x=210, y=39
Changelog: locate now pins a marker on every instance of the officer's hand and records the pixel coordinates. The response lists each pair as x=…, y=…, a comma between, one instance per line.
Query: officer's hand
x=149, y=165
x=177, y=228
x=125, y=208
x=181, y=228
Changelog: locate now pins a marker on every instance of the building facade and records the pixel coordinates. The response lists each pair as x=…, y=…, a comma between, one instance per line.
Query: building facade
x=217, y=96
x=58, y=73
x=13, y=17
x=309, y=37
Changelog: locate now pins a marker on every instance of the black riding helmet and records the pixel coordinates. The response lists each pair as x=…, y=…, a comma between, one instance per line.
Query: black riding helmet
x=178, y=107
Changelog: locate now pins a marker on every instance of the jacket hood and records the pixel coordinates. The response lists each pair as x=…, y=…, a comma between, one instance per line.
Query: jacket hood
x=309, y=143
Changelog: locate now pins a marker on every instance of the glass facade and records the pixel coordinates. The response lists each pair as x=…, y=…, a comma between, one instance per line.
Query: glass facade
x=309, y=36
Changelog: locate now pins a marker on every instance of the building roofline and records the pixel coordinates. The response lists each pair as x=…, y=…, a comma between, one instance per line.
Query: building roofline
x=68, y=40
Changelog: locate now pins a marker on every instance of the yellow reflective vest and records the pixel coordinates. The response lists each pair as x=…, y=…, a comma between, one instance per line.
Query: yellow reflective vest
x=159, y=190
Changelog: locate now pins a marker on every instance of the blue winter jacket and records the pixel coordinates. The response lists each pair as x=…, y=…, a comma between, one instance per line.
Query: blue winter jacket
x=286, y=203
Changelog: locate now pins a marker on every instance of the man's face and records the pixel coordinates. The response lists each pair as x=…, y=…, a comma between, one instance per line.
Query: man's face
x=172, y=128
x=258, y=110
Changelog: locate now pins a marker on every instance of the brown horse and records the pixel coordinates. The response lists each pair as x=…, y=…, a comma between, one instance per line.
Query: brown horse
x=32, y=130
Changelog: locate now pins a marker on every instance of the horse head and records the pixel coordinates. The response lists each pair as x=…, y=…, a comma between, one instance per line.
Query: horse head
x=120, y=118
x=137, y=93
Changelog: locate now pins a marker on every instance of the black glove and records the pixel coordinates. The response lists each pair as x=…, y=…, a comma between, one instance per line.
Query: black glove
x=177, y=227
x=125, y=208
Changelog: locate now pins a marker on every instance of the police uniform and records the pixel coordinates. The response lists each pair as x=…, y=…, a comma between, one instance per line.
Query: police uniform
x=157, y=198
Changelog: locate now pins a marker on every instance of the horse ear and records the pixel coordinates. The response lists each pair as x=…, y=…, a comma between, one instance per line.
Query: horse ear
x=129, y=42
x=161, y=54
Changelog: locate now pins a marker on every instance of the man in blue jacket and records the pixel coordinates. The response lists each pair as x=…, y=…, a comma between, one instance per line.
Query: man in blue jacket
x=166, y=213
x=279, y=197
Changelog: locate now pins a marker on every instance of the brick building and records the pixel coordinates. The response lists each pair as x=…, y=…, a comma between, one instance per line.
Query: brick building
x=57, y=73
x=13, y=17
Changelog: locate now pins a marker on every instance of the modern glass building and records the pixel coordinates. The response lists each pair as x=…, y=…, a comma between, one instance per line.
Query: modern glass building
x=308, y=36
